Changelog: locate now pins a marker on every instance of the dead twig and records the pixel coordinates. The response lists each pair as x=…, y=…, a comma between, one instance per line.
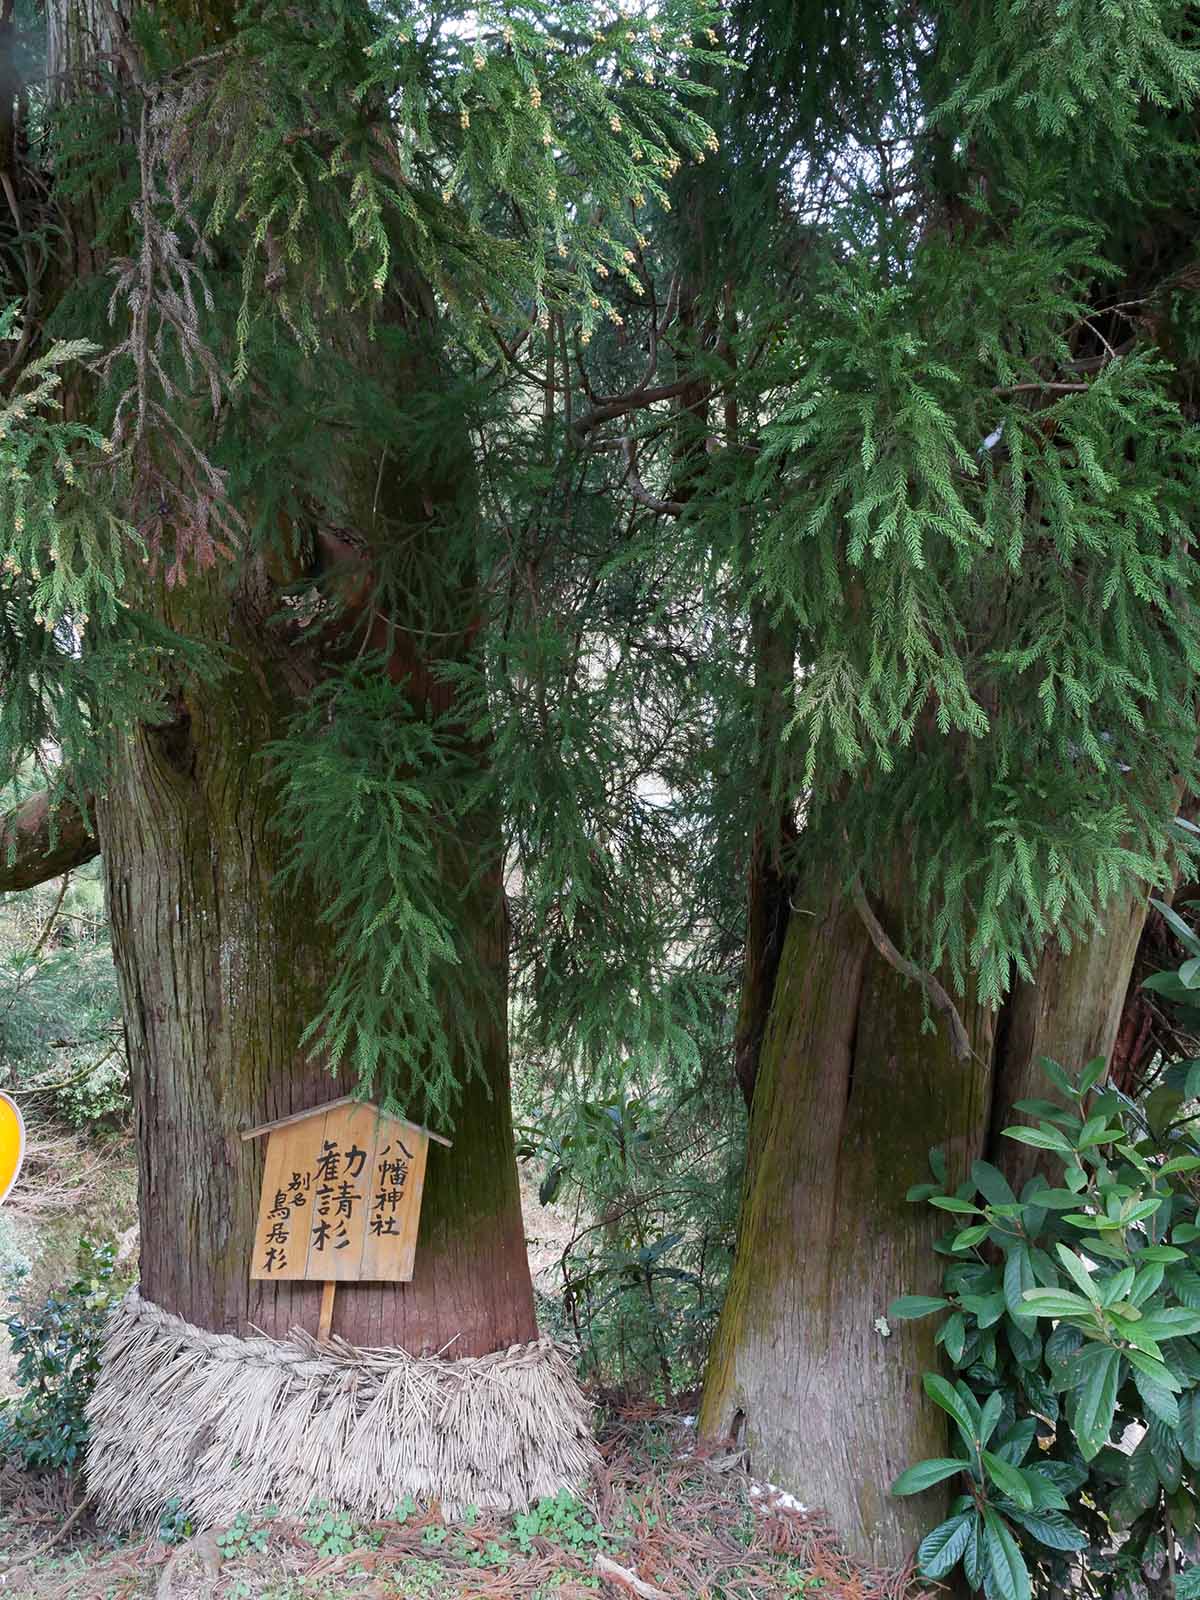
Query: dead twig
x=58, y=1536
x=629, y=1580
x=1041, y=388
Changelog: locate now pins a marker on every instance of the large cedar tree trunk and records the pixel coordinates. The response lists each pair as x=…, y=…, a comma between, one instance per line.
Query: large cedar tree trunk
x=221, y=971
x=850, y=1096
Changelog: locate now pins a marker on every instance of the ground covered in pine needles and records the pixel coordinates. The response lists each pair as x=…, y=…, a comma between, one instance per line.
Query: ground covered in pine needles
x=660, y=1522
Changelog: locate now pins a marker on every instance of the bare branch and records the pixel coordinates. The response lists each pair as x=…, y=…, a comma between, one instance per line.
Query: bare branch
x=959, y=1037
x=620, y=405
x=1041, y=388
x=37, y=844
x=639, y=491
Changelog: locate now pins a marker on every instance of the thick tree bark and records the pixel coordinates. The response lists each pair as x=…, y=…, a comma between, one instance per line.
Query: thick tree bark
x=851, y=1094
x=770, y=879
x=219, y=974
x=1071, y=1012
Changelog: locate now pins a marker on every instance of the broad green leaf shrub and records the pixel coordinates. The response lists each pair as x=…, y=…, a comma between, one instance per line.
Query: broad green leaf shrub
x=57, y=1350
x=1071, y=1318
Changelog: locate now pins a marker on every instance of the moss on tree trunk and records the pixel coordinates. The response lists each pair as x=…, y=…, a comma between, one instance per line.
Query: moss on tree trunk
x=220, y=972
x=851, y=1094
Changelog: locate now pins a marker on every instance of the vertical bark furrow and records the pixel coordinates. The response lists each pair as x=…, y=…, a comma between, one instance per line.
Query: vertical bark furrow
x=220, y=973
x=831, y=1403
x=1071, y=1012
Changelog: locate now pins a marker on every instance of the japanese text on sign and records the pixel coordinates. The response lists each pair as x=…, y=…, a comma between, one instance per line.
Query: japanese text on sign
x=341, y=1198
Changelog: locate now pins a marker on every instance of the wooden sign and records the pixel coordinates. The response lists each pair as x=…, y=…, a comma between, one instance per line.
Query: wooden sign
x=12, y=1145
x=341, y=1195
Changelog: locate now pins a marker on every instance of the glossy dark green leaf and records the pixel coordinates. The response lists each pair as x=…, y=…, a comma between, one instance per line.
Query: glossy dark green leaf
x=1185, y=1360
x=1014, y=1446
x=1047, y=1496
x=940, y=1550
x=1158, y=1400
x=973, y=1555
x=1141, y=1477
x=1058, y=1077
x=953, y=1336
x=1008, y=1479
x=992, y=1184
x=1149, y=1369
x=1056, y=1199
x=1051, y=1528
x=1026, y=1347
x=1005, y=1566
x=946, y=1396
x=914, y=1480
x=1057, y=1303
x=970, y=1237
x=1170, y=1322
x=1092, y=1073
x=1018, y=1276
x=1096, y=1401
x=1186, y=1284
x=1039, y=1138
x=1178, y=926
x=910, y=1306
x=1188, y=1431
x=989, y=1416
x=1168, y=1458
x=987, y=1309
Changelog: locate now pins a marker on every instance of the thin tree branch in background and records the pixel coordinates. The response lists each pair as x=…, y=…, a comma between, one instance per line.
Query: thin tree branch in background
x=38, y=843
x=613, y=406
x=670, y=508
x=48, y=925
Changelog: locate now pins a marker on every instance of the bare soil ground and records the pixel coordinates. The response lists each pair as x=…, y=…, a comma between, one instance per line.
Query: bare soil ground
x=661, y=1521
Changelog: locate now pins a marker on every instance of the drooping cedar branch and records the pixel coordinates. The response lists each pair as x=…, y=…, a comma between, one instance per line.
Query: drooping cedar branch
x=38, y=842
x=938, y=996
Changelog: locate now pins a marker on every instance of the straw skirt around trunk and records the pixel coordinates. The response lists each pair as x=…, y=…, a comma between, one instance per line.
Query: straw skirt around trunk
x=222, y=1424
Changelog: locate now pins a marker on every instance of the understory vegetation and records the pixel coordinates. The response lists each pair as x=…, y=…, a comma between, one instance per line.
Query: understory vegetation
x=1071, y=1324
x=689, y=1526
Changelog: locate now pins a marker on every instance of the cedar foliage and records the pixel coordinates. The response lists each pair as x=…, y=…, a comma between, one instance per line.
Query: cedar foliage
x=862, y=349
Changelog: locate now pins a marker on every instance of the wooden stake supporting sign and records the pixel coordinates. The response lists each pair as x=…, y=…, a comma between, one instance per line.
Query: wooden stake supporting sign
x=341, y=1198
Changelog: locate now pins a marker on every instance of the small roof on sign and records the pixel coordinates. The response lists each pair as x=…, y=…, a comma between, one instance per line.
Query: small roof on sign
x=342, y=1100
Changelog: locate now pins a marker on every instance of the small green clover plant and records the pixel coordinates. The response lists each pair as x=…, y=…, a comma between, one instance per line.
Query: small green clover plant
x=561, y=1518
x=1070, y=1315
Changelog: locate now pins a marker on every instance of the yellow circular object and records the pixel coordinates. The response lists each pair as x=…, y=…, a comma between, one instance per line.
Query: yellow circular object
x=12, y=1145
